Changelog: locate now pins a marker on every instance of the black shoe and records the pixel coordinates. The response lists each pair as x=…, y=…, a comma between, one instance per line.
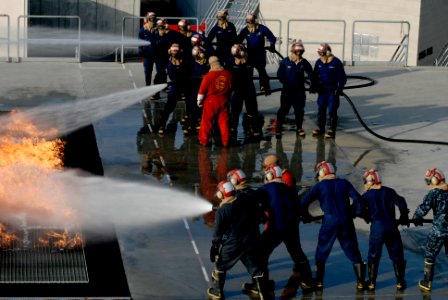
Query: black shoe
x=161, y=131
x=300, y=132
x=330, y=134
x=317, y=132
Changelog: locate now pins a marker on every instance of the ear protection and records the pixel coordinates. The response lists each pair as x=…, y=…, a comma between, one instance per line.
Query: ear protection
x=198, y=51
x=297, y=48
x=238, y=50
x=196, y=39
x=236, y=176
x=150, y=16
x=162, y=23
x=251, y=19
x=372, y=177
x=324, y=49
x=174, y=49
x=225, y=189
x=434, y=176
x=324, y=168
x=272, y=172
x=183, y=25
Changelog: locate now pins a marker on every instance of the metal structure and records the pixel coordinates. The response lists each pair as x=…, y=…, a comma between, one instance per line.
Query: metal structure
x=399, y=56
x=6, y=40
x=442, y=59
x=54, y=41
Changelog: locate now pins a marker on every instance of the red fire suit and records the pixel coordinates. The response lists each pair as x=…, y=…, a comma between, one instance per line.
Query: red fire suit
x=216, y=86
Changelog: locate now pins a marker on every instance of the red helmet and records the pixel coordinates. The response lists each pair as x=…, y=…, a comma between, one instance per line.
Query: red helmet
x=273, y=172
x=183, y=25
x=297, y=48
x=324, y=168
x=174, y=50
x=236, y=176
x=238, y=50
x=434, y=176
x=150, y=15
x=251, y=19
x=196, y=40
x=324, y=49
x=372, y=176
x=225, y=189
x=162, y=23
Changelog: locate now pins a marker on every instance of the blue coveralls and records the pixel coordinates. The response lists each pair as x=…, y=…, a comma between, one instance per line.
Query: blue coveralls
x=225, y=39
x=330, y=78
x=255, y=43
x=437, y=200
x=283, y=207
x=236, y=231
x=147, y=52
x=243, y=92
x=292, y=76
x=162, y=44
x=180, y=84
x=334, y=198
x=379, y=205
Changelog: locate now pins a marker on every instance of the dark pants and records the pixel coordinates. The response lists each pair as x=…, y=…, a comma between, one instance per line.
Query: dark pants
x=389, y=236
x=174, y=96
x=295, y=98
x=148, y=66
x=257, y=58
x=161, y=65
x=327, y=101
x=434, y=244
x=240, y=97
x=343, y=230
x=248, y=255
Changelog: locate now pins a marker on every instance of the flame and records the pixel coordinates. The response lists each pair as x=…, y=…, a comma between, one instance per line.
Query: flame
x=6, y=239
x=27, y=162
x=61, y=240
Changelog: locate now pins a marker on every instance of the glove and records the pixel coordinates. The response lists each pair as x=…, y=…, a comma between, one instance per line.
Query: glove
x=404, y=220
x=306, y=217
x=214, y=253
x=338, y=92
x=200, y=100
x=271, y=48
x=418, y=222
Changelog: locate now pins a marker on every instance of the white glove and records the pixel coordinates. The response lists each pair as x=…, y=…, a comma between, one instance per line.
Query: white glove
x=200, y=100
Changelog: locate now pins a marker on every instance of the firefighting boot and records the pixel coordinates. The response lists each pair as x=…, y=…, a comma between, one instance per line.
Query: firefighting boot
x=360, y=272
x=263, y=285
x=372, y=273
x=304, y=269
x=425, y=285
x=218, y=280
x=399, y=274
x=319, y=280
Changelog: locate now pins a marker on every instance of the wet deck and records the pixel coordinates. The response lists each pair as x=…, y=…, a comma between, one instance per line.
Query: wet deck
x=170, y=261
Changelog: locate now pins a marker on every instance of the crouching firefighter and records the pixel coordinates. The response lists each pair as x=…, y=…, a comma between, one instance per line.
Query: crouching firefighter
x=236, y=238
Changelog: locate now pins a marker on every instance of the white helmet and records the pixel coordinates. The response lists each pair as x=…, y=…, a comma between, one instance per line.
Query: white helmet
x=372, y=177
x=434, y=176
x=225, y=189
x=236, y=176
x=324, y=168
x=273, y=172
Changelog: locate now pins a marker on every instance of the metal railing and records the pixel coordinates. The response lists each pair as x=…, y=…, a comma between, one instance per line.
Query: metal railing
x=333, y=42
x=6, y=40
x=53, y=40
x=210, y=16
x=400, y=53
x=442, y=58
x=123, y=29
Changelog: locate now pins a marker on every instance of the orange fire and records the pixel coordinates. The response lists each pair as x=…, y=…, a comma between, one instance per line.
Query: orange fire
x=6, y=239
x=28, y=191
x=61, y=240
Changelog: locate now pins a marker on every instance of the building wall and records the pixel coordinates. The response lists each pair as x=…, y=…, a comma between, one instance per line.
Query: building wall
x=13, y=9
x=433, y=30
x=312, y=33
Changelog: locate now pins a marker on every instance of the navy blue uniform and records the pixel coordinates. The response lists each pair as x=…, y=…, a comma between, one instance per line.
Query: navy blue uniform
x=147, y=52
x=243, y=92
x=255, y=44
x=180, y=85
x=379, y=205
x=225, y=39
x=292, y=76
x=162, y=44
x=236, y=231
x=282, y=205
x=331, y=79
x=334, y=198
x=437, y=201
x=192, y=110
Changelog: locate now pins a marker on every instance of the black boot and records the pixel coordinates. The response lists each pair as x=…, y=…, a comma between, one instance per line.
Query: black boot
x=399, y=274
x=372, y=273
x=360, y=272
x=320, y=273
x=264, y=287
x=304, y=269
x=428, y=274
x=218, y=280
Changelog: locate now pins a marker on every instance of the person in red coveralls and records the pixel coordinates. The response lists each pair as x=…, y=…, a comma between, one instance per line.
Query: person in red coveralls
x=214, y=96
x=287, y=177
